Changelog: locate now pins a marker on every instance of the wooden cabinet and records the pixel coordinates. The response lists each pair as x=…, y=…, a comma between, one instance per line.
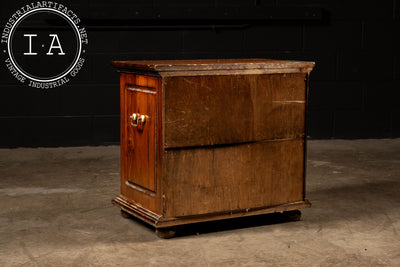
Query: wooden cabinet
x=212, y=139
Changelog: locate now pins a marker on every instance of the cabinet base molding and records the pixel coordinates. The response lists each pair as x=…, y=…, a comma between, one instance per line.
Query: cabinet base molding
x=158, y=221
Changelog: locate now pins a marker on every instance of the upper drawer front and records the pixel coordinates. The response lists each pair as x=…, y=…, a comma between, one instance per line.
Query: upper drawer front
x=216, y=110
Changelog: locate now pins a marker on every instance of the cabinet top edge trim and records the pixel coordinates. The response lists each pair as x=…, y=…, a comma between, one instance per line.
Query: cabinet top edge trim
x=215, y=72
x=169, y=67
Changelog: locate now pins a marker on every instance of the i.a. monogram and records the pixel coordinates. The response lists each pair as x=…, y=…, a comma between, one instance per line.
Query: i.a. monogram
x=44, y=43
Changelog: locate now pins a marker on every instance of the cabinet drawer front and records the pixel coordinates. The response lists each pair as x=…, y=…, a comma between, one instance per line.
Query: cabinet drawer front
x=228, y=178
x=213, y=110
x=140, y=128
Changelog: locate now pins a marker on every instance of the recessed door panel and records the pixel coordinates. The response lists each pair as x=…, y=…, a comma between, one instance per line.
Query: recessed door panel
x=141, y=111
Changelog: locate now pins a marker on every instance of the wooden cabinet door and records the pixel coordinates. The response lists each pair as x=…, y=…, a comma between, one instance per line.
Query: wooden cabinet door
x=141, y=166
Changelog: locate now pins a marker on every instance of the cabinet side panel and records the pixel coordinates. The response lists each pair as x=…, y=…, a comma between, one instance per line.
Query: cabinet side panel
x=307, y=86
x=123, y=136
x=227, y=178
x=209, y=110
x=139, y=185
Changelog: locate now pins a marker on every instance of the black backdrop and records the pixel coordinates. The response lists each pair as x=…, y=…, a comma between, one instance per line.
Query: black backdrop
x=354, y=91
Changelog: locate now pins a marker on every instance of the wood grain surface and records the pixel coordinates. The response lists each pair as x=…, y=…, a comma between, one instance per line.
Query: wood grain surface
x=224, y=138
x=214, y=110
x=139, y=148
x=141, y=143
x=207, y=180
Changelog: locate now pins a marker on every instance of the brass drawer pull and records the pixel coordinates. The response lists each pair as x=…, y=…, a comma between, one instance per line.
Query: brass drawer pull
x=134, y=117
x=141, y=119
x=138, y=120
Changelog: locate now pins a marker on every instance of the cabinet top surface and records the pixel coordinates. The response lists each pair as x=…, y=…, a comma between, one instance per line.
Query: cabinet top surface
x=214, y=65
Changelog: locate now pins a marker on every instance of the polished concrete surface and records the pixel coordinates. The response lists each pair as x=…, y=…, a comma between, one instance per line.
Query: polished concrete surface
x=55, y=210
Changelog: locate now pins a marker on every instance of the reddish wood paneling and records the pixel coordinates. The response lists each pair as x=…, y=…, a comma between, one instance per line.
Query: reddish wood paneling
x=141, y=142
x=138, y=148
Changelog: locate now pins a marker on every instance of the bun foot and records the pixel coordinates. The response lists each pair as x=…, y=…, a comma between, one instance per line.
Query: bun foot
x=125, y=214
x=166, y=233
x=293, y=215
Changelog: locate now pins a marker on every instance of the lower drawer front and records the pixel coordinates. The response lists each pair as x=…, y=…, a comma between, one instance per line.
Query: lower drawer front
x=254, y=175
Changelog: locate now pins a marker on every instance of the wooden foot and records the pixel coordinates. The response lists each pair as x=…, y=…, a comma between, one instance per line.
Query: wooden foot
x=125, y=214
x=166, y=233
x=293, y=215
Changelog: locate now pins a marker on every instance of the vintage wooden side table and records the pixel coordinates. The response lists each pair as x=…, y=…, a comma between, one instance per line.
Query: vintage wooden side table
x=206, y=140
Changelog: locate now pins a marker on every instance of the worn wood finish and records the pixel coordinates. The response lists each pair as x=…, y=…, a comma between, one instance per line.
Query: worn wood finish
x=207, y=180
x=158, y=221
x=194, y=115
x=213, y=67
x=223, y=139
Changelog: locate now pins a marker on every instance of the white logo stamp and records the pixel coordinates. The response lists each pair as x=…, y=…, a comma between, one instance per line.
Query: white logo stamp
x=44, y=43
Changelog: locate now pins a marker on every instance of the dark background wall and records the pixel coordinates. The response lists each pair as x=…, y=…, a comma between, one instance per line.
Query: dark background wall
x=354, y=91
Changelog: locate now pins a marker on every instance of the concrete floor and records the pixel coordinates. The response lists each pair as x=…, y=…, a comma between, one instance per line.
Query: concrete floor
x=55, y=207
